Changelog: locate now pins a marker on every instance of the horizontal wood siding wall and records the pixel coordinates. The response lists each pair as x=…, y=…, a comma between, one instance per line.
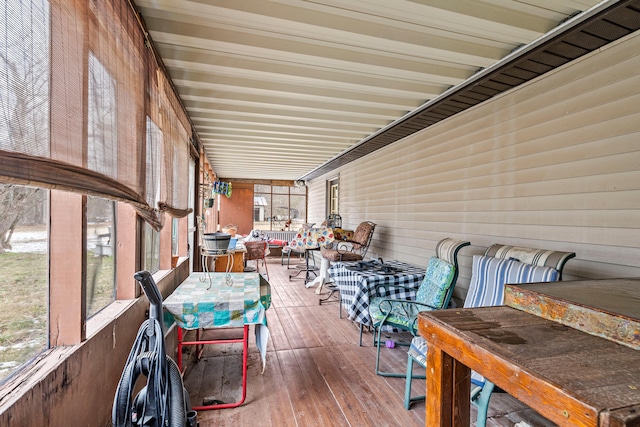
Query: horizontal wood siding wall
x=316, y=206
x=553, y=164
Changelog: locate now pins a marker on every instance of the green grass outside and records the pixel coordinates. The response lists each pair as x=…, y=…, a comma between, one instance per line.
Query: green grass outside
x=23, y=308
x=101, y=293
x=23, y=303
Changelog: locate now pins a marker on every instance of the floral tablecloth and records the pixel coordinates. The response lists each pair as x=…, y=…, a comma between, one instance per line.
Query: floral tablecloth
x=312, y=238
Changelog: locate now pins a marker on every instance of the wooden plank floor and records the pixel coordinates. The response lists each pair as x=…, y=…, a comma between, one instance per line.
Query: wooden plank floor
x=316, y=373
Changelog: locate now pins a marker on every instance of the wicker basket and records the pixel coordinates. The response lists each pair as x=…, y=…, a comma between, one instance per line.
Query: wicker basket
x=230, y=229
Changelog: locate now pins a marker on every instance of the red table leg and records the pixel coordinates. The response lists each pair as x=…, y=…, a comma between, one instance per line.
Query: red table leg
x=245, y=350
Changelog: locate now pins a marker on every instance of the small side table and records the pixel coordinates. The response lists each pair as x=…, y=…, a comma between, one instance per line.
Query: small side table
x=229, y=261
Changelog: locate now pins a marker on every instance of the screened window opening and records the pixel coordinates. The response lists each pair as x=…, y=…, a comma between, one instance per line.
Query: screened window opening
x=151, y=249
x=191, y=218
x=24, y=235
x=84, y=110
x=100, y=272
x=153, y=162
x=175, y=237
x=24, y=76
x=24, y=247
x=101, y=121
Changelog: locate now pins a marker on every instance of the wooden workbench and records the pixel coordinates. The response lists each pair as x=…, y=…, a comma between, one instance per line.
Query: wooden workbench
x=571, y=377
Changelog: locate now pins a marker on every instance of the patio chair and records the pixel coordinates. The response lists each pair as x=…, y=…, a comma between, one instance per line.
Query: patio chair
x=256, y=251
x=290, y=249
x=434, y=293
x=287, y=251
x=489, y=275
x=348, y=250
x=354, y=249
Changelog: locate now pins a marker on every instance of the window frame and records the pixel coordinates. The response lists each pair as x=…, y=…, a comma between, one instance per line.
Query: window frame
x=288, y=218
x=333, y=196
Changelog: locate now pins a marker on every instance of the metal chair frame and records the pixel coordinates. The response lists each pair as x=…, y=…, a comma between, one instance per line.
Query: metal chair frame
x=359, y=248
x=447, y=250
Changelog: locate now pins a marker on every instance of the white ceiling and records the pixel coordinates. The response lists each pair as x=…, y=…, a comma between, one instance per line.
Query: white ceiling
x=277, y=88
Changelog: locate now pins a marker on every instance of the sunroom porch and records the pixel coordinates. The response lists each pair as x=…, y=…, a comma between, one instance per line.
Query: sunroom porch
x=551, y=163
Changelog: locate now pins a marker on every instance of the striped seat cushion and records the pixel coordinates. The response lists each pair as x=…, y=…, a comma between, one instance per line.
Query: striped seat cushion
x=448, y=248
x=489, y=275
x=418, y=350
x=538, y=257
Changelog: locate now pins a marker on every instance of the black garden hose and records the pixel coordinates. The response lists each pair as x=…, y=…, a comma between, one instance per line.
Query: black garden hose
x=163, y=401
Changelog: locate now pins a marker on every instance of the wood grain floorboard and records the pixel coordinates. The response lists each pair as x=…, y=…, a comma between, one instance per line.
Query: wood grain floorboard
x=355, y=388
x=316, y=374
x=278, y=339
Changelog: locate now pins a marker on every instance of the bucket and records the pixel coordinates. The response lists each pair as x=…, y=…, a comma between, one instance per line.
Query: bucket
x=216, y=241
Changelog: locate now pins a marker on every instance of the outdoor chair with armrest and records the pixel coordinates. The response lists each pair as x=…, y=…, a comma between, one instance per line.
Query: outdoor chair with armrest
x=348, y=250
x=287, y=251
x=256, y=251
x=434, y=293
x=290, y=248
x=354, y=249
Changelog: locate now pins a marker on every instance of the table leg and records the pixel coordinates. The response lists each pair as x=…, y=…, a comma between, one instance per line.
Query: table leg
x=245, y=353
x=179, y=355
x=322, y=279
x=307, y=270
x=448, y=390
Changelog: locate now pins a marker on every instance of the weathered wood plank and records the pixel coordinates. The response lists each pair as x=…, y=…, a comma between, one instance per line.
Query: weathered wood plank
x=608, y=308
x=622, y=417
x=439, y=392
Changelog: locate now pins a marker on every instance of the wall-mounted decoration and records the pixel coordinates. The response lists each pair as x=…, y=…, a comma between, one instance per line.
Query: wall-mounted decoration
x=223, y=188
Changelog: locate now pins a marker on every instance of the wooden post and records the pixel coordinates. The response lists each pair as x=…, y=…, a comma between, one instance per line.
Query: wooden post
x=67, y=305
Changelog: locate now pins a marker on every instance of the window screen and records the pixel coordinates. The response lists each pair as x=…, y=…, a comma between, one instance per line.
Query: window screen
x=24, y=76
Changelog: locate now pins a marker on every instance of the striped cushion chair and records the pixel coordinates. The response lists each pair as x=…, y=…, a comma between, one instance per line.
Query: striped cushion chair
x=538, y=257
x=434, y=293
x=489, y=275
